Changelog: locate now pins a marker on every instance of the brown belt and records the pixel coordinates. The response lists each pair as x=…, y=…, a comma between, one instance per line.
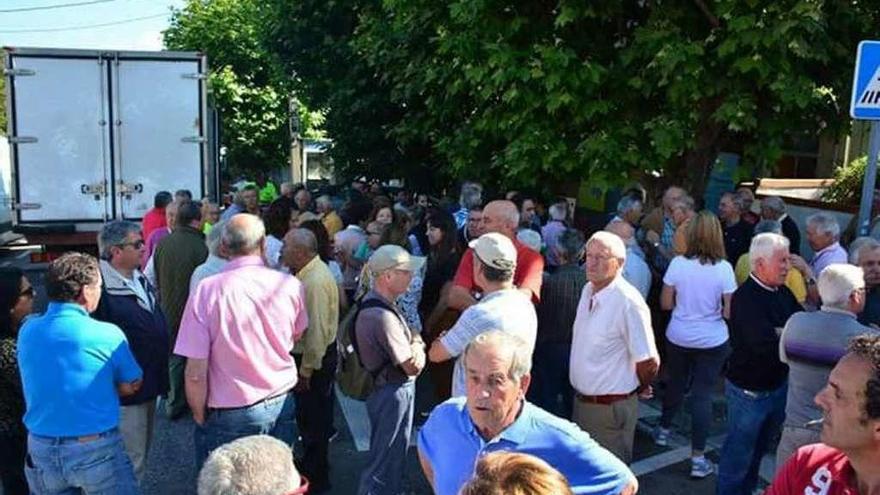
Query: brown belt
x=603, y=399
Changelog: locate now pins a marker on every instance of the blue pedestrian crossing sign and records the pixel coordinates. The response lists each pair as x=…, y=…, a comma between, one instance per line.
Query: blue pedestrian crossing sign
x=866, y=82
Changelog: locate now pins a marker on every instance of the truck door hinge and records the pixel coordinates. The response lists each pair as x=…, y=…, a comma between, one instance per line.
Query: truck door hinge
x=194, y=139
x=19, y=72
x=21, y=139
x=195, y=75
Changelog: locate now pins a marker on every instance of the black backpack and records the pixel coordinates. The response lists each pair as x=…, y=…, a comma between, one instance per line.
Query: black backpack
x=355, y=380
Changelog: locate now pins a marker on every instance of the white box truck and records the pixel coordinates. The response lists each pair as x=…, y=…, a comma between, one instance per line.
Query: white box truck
x=94, y=135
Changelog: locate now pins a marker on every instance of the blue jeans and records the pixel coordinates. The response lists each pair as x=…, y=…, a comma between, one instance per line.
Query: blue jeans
x=753, y=420
x=390, y=408
x=699, y=370
x=550, y=379
x=64, y=466
x=274, y=416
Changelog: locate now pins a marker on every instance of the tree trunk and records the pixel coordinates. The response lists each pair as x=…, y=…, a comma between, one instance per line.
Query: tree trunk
x=697, y=162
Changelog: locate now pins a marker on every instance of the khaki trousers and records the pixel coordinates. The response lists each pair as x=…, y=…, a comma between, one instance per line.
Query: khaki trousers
x=136, y=428
x=613, y=426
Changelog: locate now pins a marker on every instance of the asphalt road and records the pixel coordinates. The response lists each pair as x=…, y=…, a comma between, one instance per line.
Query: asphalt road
x=660, y=470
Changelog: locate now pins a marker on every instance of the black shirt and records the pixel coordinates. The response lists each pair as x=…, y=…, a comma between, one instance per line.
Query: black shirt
x=437, y=274
x=737, y=239
x=755, y=314
x=11, y=394
x=793, y=234
x=871, y=314
x=560, y=294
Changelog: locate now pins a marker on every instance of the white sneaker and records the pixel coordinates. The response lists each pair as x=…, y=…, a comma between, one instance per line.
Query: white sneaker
x=701, y=467
x=661, y=436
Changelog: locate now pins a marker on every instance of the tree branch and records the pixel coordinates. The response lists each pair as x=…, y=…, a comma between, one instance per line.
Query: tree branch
x=709, y=15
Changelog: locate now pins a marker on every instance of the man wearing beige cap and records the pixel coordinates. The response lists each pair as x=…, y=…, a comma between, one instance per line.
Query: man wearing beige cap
x=390, y=351
x=503, y=307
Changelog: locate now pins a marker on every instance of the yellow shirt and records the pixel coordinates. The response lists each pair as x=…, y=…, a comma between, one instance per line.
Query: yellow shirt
x=322, y=305
x=332, y=223
x=794, y=280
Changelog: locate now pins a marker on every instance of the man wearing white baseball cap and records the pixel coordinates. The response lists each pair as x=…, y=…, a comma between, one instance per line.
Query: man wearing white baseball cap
x=503, y=307
x=394, y=355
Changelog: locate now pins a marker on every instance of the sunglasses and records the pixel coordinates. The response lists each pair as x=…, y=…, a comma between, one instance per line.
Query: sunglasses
x=29, y=292
x=136, y=244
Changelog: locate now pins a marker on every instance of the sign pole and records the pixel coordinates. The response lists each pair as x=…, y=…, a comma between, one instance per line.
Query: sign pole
x=869, y=181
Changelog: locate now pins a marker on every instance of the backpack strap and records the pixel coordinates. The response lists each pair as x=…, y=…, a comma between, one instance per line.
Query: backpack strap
x=362, y=305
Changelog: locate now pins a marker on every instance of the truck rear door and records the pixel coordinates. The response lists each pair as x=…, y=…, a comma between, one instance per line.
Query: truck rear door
x=60, y=144
x=159, y=141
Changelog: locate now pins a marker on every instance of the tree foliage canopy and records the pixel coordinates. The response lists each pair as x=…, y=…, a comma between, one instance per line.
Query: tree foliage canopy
x=528, y=92
x=248, y=84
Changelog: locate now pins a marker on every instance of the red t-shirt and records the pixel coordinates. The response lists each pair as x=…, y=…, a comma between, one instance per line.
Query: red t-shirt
x=528, y=275
x=153, y=219
x=815, y=470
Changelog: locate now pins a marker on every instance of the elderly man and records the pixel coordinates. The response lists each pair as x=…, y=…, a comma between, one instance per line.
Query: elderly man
x=254, y=465
x=315, y=353
x=174, y=262
x=502, y=307
x=823, y=234
x=499, y=217
x=794, y=280
x=215, y=261
x=303, y=200
x=496, y=417
x=73, y=370
x=811, y=344
x=394, y=355
x=613, y=355
x=737, y=232
x=155, y=217
x=774, y=208
x=471, y=195
x=848, y=459
x=682, y=214
x=756, y=378
x=867, y=257
x=331, y=220
x=246, y=201
x=658, y=224
x=635, y=269
x=210, y=215
x=629, y=209
x=555, y=227
x=237, y=332
x=129, y=301
x=556, y=311
x=747, y=197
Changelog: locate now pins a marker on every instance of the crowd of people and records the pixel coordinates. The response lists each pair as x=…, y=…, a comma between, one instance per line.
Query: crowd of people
x=537, y=342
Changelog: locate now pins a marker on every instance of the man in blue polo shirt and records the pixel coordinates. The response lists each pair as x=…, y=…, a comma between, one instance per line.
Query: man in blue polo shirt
x=495, y=416
x=73, y=369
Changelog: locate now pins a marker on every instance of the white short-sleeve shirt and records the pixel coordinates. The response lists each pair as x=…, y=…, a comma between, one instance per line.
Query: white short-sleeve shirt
x=612, y=332
x=696, y=321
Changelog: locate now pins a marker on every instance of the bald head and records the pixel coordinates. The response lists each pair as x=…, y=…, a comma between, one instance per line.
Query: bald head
x=622, y=229
x=501, y=216
x=243, y=235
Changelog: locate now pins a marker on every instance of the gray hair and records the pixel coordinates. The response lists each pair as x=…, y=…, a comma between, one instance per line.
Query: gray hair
x=286, y=187
x=471, y=195
x=324, y=200
x=114, y=234
x=559, y=210
x=305, y=238
x=611, y=241
x=499, y=340
x=736, y=199
x=213, y=239
x=837, y=282
x=764, y=246
x=686, y=203
x=860, y=245
x=825, y=224
x=768, y=227
x=774, y=204
x=570, y=243
x=243, y=239
x=253, y=465
x=627, y=203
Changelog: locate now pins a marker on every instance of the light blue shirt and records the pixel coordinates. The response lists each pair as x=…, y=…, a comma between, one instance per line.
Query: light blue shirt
x=70, y=365
x=636, y=271
x=452, y=445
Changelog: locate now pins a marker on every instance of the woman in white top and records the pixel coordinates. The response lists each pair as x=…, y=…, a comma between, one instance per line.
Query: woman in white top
x=697, y=287
x=277, y=222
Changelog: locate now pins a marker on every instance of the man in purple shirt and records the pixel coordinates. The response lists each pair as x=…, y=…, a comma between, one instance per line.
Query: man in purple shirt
x=238, y=331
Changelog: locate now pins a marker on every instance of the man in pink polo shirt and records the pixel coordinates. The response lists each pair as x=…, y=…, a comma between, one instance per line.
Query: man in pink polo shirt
x=238, y=330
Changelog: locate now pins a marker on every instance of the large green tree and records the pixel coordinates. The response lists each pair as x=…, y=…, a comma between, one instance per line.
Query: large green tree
x=534, y=92
x=248, y=84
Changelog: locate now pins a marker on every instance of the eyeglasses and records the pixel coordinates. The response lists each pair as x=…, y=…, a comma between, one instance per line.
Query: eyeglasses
x=29, y=292
x=136, y=244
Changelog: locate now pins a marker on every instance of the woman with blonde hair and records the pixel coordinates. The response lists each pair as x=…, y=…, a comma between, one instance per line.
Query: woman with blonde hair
x=511, y=473
x=697, y=287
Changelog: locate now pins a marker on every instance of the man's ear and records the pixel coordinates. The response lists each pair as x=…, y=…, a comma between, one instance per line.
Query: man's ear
x=524, y=383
